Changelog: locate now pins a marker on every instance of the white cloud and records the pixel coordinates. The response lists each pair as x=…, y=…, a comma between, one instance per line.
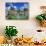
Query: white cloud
x=15, y=7
x=25, y=5
x=7, y=8
x=22, y=8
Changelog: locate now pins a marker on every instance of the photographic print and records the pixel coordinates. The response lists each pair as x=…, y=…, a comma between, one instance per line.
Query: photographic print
x=17, y=11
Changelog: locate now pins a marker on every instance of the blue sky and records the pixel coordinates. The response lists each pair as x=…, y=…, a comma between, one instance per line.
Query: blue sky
x=17, y=5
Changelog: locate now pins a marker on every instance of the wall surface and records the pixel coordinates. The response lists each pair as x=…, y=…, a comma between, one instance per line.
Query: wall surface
x=25, y=27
